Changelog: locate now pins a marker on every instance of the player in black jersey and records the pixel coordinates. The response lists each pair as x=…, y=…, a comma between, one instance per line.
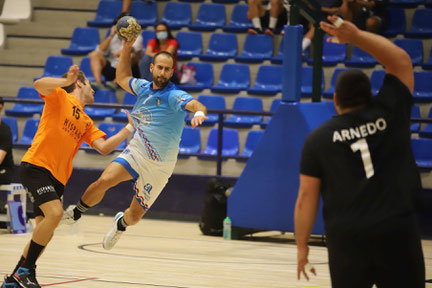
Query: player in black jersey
x=362, y=165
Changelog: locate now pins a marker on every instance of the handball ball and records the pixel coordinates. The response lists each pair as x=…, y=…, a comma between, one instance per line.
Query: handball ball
x=128, y=28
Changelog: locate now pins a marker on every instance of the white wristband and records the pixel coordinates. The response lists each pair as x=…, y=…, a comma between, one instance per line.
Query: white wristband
x=338, y=22
x=308, y=267
x=199, y=113
x=130, y=128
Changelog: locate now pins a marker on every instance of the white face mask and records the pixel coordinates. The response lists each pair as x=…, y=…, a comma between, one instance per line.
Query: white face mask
x=162, y=35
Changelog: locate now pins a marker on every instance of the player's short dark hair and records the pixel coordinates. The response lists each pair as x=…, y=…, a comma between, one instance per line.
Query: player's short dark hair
x=353, y=88
x=165, y=53
x=70, y=88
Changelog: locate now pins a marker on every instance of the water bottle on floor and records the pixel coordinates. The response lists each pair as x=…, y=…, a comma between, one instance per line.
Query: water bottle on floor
x=227, y=228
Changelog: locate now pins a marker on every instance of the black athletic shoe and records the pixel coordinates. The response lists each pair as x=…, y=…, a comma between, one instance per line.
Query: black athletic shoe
x=9, y=282
x=26, y=278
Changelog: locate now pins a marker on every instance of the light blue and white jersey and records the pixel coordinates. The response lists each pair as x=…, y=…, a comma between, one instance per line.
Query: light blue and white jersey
x=159, y=119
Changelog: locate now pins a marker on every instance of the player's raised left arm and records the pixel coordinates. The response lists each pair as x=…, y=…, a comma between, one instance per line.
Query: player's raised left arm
x=124, y=70
x=200, y=112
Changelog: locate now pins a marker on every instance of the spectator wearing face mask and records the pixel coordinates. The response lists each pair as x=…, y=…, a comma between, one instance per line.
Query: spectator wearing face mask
x=164, y=41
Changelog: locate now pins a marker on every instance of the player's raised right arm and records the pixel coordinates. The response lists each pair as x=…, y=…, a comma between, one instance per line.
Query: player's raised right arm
x=46, y=85
x=124, y=70
x=395, y=60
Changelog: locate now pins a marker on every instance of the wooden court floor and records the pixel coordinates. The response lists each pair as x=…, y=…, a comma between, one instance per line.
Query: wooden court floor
x=166, y=254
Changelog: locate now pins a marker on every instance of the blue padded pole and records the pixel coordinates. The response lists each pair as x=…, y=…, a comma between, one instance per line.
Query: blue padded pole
x=292, y=62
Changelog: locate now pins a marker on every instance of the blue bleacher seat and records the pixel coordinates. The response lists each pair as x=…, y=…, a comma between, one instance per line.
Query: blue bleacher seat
x=427, y=131
x=421, y=26
x=230, y=143
x=333, y=53
x=128, y=99
x=428, y=64
x=252, y=141
x=190, y=45
x=106, y=13
x=422, y=86
x=226, y=1
x=278, y=59
x=190, y=140
x=13, y=125
x=415, y=113
x=26, y=109
x=209, y=18
x=428, y=3
x=85, y=67
x=330, y=91
x=377, y=79
x=395, y=22
x=239, y=22
x=414, y=47
x=29, y=131
x=145, y=12
x=190, y=1
x=102, y=96
x=110, y=129
x=360, y=58
x=56, y=66
x=84, y=40
x=256, y=49
x=221, y=46
x=268, y=81
x=233, y=78
x=245, y=104
x=405, y=3
x=147, y=35
x=211, y=102
x=275, y=104
x=177, y=15
x=422, y=149
x=307, y=77
x=203, y=76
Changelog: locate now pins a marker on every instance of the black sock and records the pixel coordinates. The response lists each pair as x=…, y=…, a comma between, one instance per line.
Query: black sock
x=79, y=209
x=121, y=224
x=32, y=255
x=20, y=263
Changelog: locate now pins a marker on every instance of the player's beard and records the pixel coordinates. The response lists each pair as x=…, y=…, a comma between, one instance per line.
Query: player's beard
x=161, y=82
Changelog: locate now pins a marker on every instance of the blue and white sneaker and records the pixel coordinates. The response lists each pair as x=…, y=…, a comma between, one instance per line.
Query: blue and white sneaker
x=114, y=234
x=9, y=282
x=26, y=278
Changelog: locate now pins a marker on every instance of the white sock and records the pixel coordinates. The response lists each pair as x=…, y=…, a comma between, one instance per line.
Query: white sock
x=273, y=22
x=256, y=22
x=306, y=43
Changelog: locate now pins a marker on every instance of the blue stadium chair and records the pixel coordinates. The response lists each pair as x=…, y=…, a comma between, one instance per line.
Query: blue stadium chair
x=102, y=96
x=377, y=79
x=13, y=125
x=110, y=129
x=230, y=143
x=203, y=76
x=226, y=1
x=307, y=76
x=209, y=18
x=177, y=15
x=239, y=22
x=275, y=104
x=414, y=47
x=422, y=86
x=233, y=78
x=196, y=1
x=428, y=3
x=421, y=26
x=428, y=64
x=427, y=131
x=29, y=131
x=333, y=53
x=278, y=59
x=106, y=13
x=26, y=109
x=395, y=22
x=415, y=113
x=268, y=81
x=85, y=67
x=245, y=104
x=190, y=140
x=190, y=45
x=360, y=58
x=256, y=49
x=252, y=141
x=128, y=99
x=330, y=91
x=221, y=46
x=56, y=66
x=84, y=40
x=145, y=12
x=422, y=150
x=211, y=102
x=405, y=3
x=147, y=35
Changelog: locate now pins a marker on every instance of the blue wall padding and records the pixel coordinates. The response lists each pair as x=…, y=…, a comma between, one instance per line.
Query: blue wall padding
x=265, y=194
x=292, y=60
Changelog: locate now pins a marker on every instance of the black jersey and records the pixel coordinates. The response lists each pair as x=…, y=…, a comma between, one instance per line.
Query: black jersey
x=6, y=145
x=365, y=162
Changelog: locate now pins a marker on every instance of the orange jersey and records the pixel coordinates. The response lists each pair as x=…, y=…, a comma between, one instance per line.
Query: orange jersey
x=62, y=129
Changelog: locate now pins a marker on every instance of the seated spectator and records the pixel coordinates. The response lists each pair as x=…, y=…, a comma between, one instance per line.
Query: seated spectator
x=164, y=41
x=366, y=15
x=104, y=60
x=272, y=18
x=6, y=157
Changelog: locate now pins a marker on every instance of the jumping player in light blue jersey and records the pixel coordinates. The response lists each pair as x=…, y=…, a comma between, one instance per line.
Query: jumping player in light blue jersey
x=151, y=155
